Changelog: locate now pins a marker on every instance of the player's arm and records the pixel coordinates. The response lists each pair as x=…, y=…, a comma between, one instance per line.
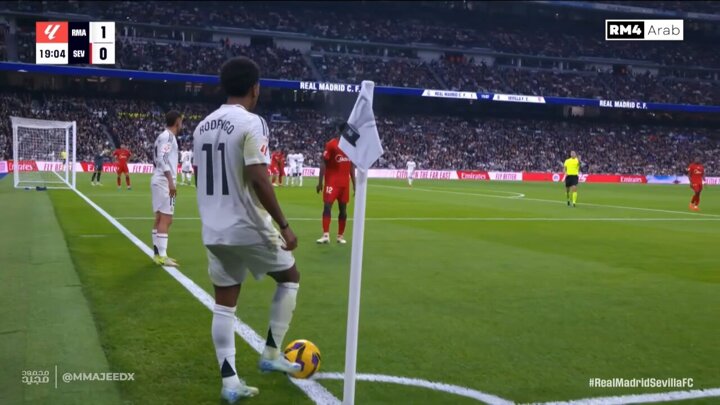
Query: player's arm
x=260, y=183
x=256, y=161
x=167, y=168
x=322, y=172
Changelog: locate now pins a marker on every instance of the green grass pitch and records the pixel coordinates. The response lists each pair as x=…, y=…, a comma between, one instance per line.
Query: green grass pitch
x=498, y=287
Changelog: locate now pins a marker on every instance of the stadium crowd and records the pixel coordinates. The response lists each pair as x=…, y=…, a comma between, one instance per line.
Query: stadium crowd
x=434, y=142
x=419, y=24
x=412, y=72
x=203, y=59
x=387, y=72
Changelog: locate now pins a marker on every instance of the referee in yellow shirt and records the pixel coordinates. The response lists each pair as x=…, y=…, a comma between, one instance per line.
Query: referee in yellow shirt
x=63, y=158
x=572, y=170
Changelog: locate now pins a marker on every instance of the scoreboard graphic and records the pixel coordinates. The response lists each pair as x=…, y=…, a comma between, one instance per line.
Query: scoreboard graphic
x=70, y=42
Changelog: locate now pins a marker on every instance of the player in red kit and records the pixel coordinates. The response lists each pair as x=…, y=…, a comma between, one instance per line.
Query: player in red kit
x=277, y=166
x=338, y=171
x=121, y=158
x=281, y=167
x=696, y=173
x=273, y=168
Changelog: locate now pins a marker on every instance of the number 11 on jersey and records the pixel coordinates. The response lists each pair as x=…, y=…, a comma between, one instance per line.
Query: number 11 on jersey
x=207, y=148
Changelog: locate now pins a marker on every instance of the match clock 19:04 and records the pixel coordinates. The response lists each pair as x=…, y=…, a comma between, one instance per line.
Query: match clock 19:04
x=52, y=53
x=48, y=53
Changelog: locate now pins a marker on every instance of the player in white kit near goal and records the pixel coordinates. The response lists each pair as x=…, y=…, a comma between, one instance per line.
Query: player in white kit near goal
x=237, y=205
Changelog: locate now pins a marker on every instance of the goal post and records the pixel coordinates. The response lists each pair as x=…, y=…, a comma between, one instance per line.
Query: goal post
x=44, y=153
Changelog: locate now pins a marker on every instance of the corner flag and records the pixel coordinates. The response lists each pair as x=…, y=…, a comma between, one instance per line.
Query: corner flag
x=361, y=143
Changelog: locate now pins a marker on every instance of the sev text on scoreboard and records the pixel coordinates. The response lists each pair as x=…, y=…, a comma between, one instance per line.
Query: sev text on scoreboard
x=75, y=42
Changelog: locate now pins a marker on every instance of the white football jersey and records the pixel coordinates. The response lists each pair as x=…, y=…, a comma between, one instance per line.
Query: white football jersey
x=292, y=160
x=186, y=157
x=165, y=153
x=300, y=159
x=226, y=141
x=411, y=165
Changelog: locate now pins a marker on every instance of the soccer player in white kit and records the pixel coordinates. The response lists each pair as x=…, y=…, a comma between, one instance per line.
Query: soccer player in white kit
x=292, y=162
x=410, y=171
x=237, y=205
x=300, y=161
x=162, y=185
x=186, y=157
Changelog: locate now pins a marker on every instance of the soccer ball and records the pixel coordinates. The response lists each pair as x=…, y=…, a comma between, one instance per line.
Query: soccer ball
x=306, y=354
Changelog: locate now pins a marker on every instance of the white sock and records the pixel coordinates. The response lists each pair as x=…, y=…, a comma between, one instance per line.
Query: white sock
x=300, y=181
x=154, y=239
x=223, y=336
x=410, y=181
x=162, y=243
x=281, y=312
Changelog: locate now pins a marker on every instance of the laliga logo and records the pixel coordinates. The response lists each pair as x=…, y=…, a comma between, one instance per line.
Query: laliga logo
x=51, y=30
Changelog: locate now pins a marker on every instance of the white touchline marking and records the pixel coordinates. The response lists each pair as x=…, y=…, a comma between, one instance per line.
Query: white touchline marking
x=554, y=201
x=316, y=392
x=481, y=219
x=416, y=382
x=513, y=196
x=642, y=398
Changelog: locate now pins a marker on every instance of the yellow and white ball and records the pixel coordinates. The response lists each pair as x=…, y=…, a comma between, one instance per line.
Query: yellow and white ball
x=305, y=353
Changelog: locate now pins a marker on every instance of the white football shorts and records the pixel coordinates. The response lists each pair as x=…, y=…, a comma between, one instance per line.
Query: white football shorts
x=161, y=200
x=228, y=265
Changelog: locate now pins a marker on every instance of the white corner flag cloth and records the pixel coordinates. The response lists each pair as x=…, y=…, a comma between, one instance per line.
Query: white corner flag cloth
x=361, y=142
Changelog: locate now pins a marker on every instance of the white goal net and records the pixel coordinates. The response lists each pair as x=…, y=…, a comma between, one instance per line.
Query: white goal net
x=43, y=153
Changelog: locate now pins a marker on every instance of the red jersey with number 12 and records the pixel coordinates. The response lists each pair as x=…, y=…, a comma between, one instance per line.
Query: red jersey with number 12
x=122, y=155
x=696, y=172
x=337, y=165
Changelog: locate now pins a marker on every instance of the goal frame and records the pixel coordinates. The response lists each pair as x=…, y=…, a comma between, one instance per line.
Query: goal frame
x=69, y=164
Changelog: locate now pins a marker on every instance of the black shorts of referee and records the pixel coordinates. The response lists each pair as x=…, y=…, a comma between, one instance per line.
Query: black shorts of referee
x=571, y=180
